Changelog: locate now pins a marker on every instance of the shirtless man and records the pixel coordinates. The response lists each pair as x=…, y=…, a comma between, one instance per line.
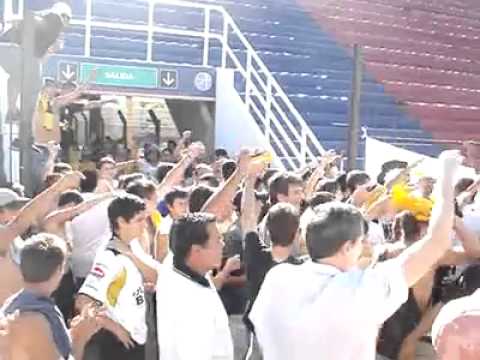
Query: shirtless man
x=10, y=241
x=39, y=332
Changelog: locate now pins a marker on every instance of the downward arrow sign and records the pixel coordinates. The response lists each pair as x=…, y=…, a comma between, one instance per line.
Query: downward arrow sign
x=68, y=74
x=169, y=80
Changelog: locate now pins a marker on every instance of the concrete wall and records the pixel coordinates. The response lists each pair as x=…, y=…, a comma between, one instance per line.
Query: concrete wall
x=234, y=126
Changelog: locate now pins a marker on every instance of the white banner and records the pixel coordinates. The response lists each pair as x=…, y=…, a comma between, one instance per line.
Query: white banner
x=378, y=152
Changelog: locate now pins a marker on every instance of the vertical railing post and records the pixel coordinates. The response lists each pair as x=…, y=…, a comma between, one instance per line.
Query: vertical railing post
x=151, y=12
x=268, y=108
x=88, y=28
x=224, y=40
x=206, y=34
x=354, y=127
x=248, y=80
x=303, y=146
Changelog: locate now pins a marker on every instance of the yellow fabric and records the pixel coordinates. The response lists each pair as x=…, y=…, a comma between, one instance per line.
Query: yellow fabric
x=156, y=219
x=116, y=286
x=47, y=118
x=403, y=199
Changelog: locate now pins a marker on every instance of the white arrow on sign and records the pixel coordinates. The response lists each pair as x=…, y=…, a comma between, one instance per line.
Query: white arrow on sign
x=68, y=74
x=169, y=80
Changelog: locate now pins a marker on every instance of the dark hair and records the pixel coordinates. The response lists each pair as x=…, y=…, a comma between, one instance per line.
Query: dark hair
x=52, y=179
x=211, y=180
x=69, y=197
x=199, y=196
x=62, y=167
x=331, y=227
x=221, y=153
x=331, y=186
x=89, y=181
x=228, y=168
x=410, y=226
x=125, y=207
x=142, y=188
x=389, y=166
x=162, y=170
x=282, y=222
x=259, y=196
x=319, y=198
x=175, y=194
x=280, y=183
x=462, y=185
x=356, y=178
x=105, y=160
x=342, y=182
x=126, y=180
x=41, y=257
x=189, y=230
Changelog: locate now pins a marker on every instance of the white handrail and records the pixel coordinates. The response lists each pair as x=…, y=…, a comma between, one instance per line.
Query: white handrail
x=275, y=111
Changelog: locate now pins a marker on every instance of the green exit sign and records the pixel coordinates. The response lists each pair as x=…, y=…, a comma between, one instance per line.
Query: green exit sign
x=119, y=75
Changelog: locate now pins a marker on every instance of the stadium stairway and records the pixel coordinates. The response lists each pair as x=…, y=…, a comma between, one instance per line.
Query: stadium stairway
x=309, y=54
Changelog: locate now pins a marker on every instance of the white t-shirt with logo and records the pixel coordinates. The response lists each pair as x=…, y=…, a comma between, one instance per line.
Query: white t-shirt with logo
x=115, y=281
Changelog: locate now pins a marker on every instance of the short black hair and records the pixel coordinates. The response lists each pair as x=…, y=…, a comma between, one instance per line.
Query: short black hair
x=125, y=207
x=162, y=170
x=211, y=180
x=342, y=182
x=356, y=178
x=142, y=188
x=69, y=197
x=174, y=194
x=220, y=152
x=283, y=221
x=280, y=183
x=331, y=227
x=462, y=185
x=228, y=168
x=41, y=257
x=89, y=181
x=410, y=226
x=62, y=168
x=259, y=196
x=320, y=198
x=127, y=179
x=189, y=230
x=199, y=196
x=331, y=186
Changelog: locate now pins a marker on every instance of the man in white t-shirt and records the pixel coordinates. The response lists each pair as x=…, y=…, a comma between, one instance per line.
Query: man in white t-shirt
x=90, y=232
x=191, y=320
x=327, y=308
x=116, y=283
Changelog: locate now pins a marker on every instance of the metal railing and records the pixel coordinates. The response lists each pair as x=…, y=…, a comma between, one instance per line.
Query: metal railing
x=283, y=126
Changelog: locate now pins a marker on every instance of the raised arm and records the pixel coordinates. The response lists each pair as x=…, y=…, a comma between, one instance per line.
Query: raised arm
x=225, y=194
x=249, y=215
x=470, y=243
x=62, y=216
x=175, y=176
x=420, y=257
x=37, y=209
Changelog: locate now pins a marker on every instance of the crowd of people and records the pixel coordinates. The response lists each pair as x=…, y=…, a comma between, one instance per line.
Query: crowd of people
x=232, y=258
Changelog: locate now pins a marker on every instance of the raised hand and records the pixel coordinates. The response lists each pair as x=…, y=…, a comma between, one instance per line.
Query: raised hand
x=232, y=264
x=70, y=181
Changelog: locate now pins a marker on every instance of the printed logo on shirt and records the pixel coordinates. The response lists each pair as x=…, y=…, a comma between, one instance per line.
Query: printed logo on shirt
x=98, y=272
x=139, y=296
x=116, y=286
